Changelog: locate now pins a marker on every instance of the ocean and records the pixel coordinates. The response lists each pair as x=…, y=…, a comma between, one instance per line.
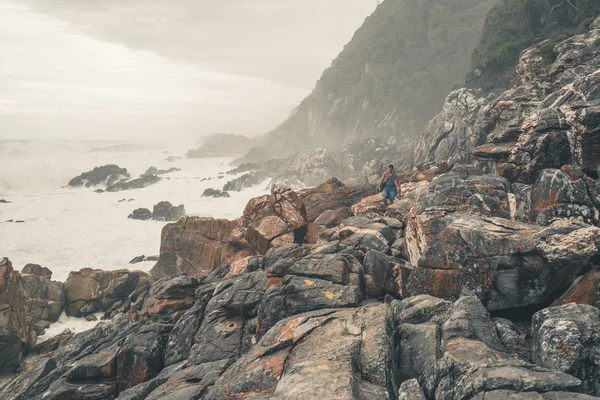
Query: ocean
x=66, y=229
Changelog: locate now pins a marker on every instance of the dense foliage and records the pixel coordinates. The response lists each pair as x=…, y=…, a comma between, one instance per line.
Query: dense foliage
x=514, y=25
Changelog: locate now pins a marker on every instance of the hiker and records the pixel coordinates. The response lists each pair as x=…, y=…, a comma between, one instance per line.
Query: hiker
x=389, y=185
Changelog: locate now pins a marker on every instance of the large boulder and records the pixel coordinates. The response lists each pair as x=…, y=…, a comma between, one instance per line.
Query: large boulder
x=196, y=246
x=14, y=325
x=165, y=211
x=565, y=339
x=566, y=193
x=45, y=298
x=506, y=263
x=90, y=291
x=332, y=195
x=320, y=354
x=105, y=174
x=454, y=352
x=277, y=217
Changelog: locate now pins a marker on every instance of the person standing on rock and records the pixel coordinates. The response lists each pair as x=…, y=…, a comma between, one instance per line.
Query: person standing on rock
x=389, y=185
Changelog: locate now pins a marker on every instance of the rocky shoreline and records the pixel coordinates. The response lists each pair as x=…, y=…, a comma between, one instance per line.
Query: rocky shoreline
x=482, y=282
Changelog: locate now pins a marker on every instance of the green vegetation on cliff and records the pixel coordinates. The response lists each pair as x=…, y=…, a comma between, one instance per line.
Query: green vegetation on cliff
x=393, y=76
x=514, y=25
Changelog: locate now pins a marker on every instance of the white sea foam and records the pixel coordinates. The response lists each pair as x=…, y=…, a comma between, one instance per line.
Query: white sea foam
x=67, y=229
x=73, y=324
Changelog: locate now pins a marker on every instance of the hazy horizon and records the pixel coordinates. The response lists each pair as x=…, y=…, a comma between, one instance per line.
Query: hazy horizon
x=110, y=70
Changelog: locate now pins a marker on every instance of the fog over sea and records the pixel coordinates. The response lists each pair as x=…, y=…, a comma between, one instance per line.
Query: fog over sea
x=66, y=229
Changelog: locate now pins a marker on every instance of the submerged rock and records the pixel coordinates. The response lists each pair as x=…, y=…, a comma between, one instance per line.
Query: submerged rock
x=214, y=193
x=106, y=174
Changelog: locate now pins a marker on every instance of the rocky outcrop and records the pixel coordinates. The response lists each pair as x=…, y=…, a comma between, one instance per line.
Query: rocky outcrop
x=156, y=171
x=143, y=258
x=91, y=291
x=163, y=211
x=196, y=246
x=141, y=214
x=244, y=181
x=565, y=340
x=107, y=175
x=545, y=121
x=332, y=196
x=214, y=193
x=14, y=324
x=45, y=298
x=139, y=183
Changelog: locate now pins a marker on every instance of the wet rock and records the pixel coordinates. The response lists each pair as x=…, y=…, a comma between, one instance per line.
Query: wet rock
x=138, y=183
x=89, y=291
x=14, y=326
x=142, y=214
x=181, y=337
x=24, y=385
x=3, y=201
x=140, y=357
x=53, y=343
x=99, y=175
x=514, y=338
x=45, y=298
x=168, y=298
x=565, y=340
x=243, y=182
x=143, y=258
x=37, y=270
x=214, y=193
x=165, y=211
x=229, y=325
x=156, y=171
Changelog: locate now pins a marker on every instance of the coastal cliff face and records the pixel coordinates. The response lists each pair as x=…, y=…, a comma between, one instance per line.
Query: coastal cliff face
x=388, y=81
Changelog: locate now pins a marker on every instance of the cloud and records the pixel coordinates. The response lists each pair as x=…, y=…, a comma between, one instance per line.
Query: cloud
x=111, y=69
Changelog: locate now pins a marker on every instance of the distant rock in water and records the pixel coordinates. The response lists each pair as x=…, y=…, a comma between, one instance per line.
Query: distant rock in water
x=138, y=183
x=107, y=174
x=163, y=211
x=142, y=214
x=223, y=145
x=214, y=193
x=143, y=258
x=243, y=182
x=2, y=201
x=155, y=171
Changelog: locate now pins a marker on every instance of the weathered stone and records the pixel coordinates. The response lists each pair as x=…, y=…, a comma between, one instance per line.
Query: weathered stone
x=370, y=206
x=196, y=246
x=585, y=290
x=332, y=218
x=46, y=298
x=89, y=291
x=332, y=196
x=410, y=390
x=388, y=273
x=506, y=263
x=565, y=339
x=169, y=298
x=14, y=327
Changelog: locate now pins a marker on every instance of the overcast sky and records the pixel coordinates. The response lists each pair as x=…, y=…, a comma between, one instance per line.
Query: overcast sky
x=137, y=69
